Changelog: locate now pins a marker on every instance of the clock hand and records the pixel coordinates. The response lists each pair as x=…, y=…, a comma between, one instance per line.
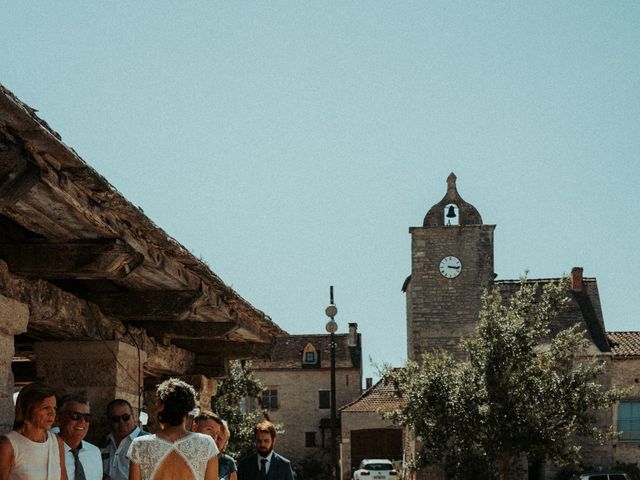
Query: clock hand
x=451, y=266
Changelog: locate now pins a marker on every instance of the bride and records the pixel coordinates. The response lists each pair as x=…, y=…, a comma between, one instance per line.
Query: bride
x=174, y=452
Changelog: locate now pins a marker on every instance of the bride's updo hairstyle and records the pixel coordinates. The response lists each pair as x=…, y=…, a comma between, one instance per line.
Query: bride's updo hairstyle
x=178, y=398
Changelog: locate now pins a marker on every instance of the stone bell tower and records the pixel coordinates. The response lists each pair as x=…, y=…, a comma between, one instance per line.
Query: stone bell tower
x=451, y=265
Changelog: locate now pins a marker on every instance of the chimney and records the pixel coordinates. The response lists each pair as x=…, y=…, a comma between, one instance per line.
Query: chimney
x=368, y=383
x=353, y=334
x=577, y=284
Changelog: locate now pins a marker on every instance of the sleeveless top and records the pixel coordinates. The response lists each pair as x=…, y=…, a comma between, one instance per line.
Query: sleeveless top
x=226, y=466
x=34, y=460
x=150, y=451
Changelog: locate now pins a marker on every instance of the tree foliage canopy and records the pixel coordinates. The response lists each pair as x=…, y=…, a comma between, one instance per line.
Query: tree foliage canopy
x=230, y=403
x=521, y=391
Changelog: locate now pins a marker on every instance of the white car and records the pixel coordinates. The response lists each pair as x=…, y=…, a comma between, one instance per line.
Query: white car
x=375, y=469
x=603, y=476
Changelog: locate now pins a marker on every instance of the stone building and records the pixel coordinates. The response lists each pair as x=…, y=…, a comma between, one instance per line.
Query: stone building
x=365, y=434
x=94, y=297
x=297, y=388
x=452, y=263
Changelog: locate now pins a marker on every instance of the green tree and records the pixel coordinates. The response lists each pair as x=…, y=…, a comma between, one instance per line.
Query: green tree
x=520, y=392
x=230, y=403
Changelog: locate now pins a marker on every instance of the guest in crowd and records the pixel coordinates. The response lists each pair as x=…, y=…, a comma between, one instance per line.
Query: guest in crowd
x=82, y=459
x=30, y=451
x=227, y=469
x=175, y=452
x=265, y=463
x=211, y=424
x=207, y=423
x=124, y=430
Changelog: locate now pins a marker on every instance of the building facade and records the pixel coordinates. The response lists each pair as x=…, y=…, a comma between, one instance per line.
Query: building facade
x=298, y=386
x=365, y=434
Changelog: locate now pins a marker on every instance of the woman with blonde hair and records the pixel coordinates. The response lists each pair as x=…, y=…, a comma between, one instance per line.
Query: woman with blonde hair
x=227, y=469
x=30, y=451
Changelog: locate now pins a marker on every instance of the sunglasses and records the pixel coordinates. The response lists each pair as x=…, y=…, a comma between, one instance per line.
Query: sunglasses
x=77, y=416
x=120, y=418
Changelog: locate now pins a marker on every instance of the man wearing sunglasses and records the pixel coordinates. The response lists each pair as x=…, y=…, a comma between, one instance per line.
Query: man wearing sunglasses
x=123, y=431
x=81, y=458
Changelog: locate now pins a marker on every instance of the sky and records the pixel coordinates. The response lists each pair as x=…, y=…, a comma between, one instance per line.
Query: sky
x=291, y=144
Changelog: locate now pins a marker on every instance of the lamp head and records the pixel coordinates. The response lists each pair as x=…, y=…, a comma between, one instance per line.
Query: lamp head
x=331, y=311
x=331, y=326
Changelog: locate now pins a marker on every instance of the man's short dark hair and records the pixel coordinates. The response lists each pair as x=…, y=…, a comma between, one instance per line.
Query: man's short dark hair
x=118, y=402
x=72, y=397
x=265, y=426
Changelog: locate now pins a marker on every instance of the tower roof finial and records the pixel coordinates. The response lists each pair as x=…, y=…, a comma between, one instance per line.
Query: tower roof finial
x=452, y=191
x=468, y=213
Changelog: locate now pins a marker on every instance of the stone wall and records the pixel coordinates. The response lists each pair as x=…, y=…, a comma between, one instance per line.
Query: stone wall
x=443, y=310
x=626, y=373
x=298, y=399
x=352, y=421
x=14, y=317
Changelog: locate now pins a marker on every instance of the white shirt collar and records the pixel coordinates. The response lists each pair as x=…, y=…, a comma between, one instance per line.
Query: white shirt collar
x=131, y=436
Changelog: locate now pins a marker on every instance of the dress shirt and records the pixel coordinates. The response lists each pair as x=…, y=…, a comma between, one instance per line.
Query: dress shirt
x=114, y=459
x=89, y=456
x=267, y=458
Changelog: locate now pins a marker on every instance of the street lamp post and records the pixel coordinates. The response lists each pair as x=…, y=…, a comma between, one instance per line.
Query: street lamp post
x=331, y=327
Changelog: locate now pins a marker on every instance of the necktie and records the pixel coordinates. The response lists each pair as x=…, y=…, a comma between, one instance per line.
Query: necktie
x=263, y=469
x=79, y=475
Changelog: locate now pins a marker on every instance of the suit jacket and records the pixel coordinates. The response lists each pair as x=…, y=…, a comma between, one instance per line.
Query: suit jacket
x=280, y=468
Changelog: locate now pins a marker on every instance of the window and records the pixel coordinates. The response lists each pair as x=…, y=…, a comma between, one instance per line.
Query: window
x=324, y=399
x=270, y=399
x=629, y=420
x=309, y=356
x=309, y=439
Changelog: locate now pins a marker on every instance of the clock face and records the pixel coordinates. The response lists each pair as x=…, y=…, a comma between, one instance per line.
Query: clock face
x=450, y=267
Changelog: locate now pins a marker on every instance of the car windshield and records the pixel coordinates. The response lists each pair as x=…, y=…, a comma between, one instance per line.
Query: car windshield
x=378, y=466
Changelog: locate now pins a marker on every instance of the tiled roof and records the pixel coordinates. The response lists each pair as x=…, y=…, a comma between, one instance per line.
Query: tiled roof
x=624, y=343
x=584, y=309
x=378, y=397
x=287, y=352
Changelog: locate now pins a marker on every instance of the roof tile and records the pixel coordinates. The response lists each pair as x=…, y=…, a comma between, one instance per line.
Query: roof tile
x=624, y=344
x=378, y=397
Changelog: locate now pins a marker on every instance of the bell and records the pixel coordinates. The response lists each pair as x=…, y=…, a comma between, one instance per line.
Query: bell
x=452, y=212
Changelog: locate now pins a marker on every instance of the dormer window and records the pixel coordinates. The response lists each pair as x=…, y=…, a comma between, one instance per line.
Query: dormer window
x=309, y=355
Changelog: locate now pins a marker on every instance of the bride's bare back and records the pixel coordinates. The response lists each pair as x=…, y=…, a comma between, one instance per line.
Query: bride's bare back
x=172, y=467
x=192, y=457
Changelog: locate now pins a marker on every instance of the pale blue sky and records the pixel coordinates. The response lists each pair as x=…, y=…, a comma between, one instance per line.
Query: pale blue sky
x=292, y=144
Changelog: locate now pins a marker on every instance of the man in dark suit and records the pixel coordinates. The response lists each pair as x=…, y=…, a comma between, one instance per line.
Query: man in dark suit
x=265, y=464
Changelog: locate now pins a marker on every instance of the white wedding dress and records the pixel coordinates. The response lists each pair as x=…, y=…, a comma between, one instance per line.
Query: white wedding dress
x=149, y=452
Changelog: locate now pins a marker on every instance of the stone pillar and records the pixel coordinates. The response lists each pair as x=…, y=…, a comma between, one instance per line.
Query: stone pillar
x=101, y=370
x=14, y=318
x=205, y=388
x=150, y=385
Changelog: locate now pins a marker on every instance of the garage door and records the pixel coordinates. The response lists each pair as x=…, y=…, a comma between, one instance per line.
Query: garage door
x=375, y=443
